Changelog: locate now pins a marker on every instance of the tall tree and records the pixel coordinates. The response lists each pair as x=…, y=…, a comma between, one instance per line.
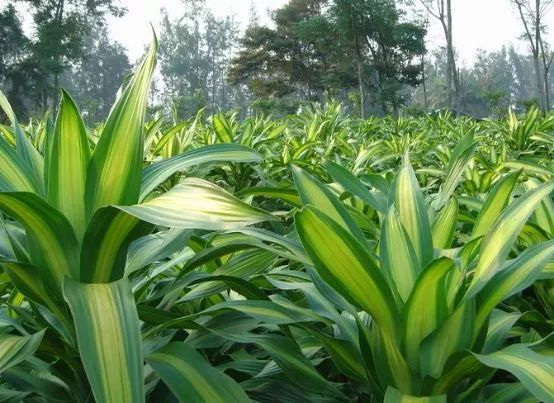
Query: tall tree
x=60, y=30
x=16, y=67
x=524, y=85
x=195, y=52
x=352, y=20
x=319, y=48
x=495, y=81
x=95, y=78
x=442, y=11
x=283, y=65
x=532, y=14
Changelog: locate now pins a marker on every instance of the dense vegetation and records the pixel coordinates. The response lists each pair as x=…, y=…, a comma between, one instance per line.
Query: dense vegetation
x=372, y=56
x=315, y=257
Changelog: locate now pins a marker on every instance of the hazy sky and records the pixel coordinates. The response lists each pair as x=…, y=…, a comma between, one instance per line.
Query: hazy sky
x=478, y=24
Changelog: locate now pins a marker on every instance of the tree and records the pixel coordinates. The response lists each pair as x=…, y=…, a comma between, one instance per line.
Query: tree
x=283, y=63
x=524, y=85
x=321, y=48
x=94, y=79
x=442, y=11
x=15, y=67
x=352, y=20
x=532, y=14
x=60, y=30
x=491, y=79
x=195, y=52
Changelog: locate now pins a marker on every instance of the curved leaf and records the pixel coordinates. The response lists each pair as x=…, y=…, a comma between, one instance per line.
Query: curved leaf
x=518, y=274
x=393, y=395
x=67, y=165
x=534, y=371
x=497, y=200
x=52, y=243
x=398, y=259
x=191, y=378
x=14, y=349
x=426, y=308
x=344, y=263
x=499, y=240
x=109, y=340
x=115, y=169
x=412, y=212
x=196, y=203
x=157, y=173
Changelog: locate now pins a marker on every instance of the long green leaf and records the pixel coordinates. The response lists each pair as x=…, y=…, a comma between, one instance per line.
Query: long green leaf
x=108, y=236
x=16, y=175
x=393, y=368
x=544, y=214
x=14, y=349
x=534, y=371
x=115, y=169
x=507, y=393
x=497, y=200
x=52, y=243
x=518, y=274
x=343, y=262
x=444, y=225
x=426, y=307
x=499, y=240
x=222, y=128
x=313, y=192
x=196, y=203
x=157, y=173
x=398, y=259
x=109, y=340
x=25, y=149
x=27, y=280
x=412, y=212
x=461, y=156
x=289, y=357
x=191, y=378
x=393, y=395
x=454, y=335
x=376, y=199
x=67, y=165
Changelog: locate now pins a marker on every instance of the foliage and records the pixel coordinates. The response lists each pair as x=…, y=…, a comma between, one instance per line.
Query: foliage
x=314, y=257
x=61, y=28
x=307, y=55
x=92, y=80
x=195, y=54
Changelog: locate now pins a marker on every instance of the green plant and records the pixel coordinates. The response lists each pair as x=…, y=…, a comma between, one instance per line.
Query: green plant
x=431, y=333
x=73, y=213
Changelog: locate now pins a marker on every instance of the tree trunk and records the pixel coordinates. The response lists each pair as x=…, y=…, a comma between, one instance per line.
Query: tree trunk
x=546, y=90
x=56, y=88
x=538, y=81
x=454, y=80
x=361, y=89
x=424, y=83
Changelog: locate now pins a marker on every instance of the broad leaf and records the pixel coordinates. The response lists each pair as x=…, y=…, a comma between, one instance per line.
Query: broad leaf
x=52, y=243
x=115, y=169
x=534, y=371
x=67, y=165
x=109, y=340
x=500, y=238
x=157, y=173
x=344, y=263
x=191, y=378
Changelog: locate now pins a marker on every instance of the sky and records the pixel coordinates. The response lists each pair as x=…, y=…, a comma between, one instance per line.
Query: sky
x=478, y=24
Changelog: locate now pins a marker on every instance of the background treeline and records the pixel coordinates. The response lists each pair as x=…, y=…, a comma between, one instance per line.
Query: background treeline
x=371, y=55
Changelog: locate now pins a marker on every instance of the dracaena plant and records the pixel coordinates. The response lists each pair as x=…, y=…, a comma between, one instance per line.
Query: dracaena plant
x=434, y=329
x=69, y=216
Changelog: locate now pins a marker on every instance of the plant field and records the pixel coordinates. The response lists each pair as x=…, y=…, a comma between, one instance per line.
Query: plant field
x=310, y=258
